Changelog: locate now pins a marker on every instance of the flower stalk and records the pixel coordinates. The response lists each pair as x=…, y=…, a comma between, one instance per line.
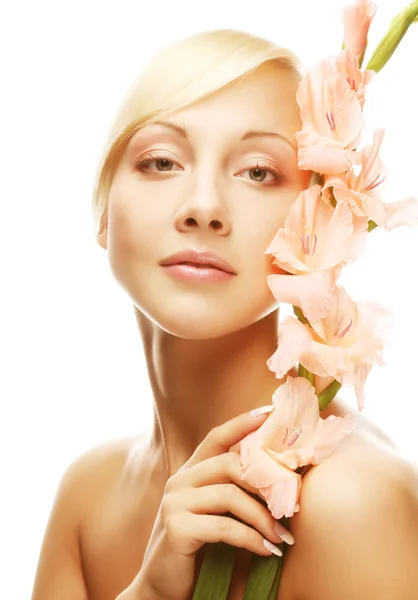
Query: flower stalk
x=397, y=29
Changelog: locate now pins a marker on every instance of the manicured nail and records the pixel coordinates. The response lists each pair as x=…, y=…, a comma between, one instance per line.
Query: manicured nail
x=261, y=411
x=284, y=534
x=272, y=548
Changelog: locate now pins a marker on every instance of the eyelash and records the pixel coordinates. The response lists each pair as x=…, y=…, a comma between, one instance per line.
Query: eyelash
x=144, y=162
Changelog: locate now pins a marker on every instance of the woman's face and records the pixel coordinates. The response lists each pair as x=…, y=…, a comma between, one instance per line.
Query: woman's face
x=205, y=192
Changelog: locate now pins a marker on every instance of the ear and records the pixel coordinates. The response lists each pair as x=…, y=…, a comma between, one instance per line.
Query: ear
x=101, y=232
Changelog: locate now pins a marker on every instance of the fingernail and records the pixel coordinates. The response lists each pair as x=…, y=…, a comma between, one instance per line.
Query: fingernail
x=272, y=548
x=285, y=535
x=261, y=411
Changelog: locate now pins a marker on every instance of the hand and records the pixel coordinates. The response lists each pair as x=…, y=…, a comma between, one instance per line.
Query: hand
x=206, y=486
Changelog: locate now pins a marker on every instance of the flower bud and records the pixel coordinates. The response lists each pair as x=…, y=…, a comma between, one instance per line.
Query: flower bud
x=397, y=29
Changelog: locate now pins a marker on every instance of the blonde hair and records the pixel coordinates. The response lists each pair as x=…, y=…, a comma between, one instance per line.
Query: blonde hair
x=176, y=76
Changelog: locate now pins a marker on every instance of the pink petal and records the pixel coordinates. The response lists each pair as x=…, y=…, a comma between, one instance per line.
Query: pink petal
x=321, y=383
x=282, y=497
x=390, y=215
x=377, y=328
x=328, y=105
x=356, y=376
x=357, y=19
x=337, y=238
x=257, y=467
x=372, y=173
x=294, y=338
x=335, y=179
x=353, y=337
x=323, y=157
x=333, y=328
x=344, y=240
x=293, y=459
x=304, y=212
x=324, y=360
x=296, y=406
x=354, y=200
x=328, y=434
x=287, y=250
x=312, y=293
x=348, y=66
x=296, y=409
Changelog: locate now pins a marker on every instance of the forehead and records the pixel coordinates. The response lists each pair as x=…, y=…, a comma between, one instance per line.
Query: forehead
x=264, y=99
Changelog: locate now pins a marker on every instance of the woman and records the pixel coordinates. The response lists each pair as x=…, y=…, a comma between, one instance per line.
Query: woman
x=218, y=173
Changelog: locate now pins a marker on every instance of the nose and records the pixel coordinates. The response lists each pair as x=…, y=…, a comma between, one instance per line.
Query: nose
x=199, y=222
x=204, y=211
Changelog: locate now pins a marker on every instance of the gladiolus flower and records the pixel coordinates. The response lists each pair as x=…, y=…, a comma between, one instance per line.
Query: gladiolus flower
x=331, y=98
x=362, y=193
x=347, y=65
x=357, y=19
x=344, y=345
x=292, y=436
x=315, y=243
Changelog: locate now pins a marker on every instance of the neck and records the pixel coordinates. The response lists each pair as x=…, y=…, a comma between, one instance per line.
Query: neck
x=199, y=384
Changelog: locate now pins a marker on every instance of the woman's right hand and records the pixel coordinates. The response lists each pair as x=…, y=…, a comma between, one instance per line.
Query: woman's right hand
x=189, y=516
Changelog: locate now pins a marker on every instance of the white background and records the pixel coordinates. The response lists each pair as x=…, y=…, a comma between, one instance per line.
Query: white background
x=73, y=374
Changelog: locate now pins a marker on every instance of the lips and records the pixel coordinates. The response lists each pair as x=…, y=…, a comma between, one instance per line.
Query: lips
x=199, y=265
x=197, y=258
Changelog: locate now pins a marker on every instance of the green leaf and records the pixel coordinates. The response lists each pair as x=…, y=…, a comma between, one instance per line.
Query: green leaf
x=276, y=582
x=372, y=225
x=397, y=29
x=262, y=575
x=264, y=578
x=216, y=572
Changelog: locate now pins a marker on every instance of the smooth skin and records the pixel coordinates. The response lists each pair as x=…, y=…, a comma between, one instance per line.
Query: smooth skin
x=206, y=486
x=206, y=345
x=206, y=349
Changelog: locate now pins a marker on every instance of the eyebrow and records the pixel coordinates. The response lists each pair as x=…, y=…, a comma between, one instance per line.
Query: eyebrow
x=247, y=135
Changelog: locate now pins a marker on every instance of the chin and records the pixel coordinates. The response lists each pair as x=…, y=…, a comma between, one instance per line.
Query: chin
x=202, y=320
x=192, y=328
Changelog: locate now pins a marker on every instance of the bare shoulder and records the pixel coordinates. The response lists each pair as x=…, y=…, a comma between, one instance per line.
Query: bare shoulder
x=355, y=507
x=60, y=572
x=97, y=470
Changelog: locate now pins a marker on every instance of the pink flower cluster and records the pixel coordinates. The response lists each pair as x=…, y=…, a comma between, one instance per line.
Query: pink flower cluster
x=338, y=339
x=328, y=224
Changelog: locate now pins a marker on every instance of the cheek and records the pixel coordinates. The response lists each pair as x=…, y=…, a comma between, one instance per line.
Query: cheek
x=261, y=232
x=136, y=224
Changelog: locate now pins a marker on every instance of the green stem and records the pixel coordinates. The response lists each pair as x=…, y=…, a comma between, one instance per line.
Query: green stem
x=303, y=372
x=328, y=394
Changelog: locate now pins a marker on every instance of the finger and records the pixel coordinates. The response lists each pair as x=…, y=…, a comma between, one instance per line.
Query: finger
x=221, y=438
x=187, y=532
x=224, y=468
x=224, y=498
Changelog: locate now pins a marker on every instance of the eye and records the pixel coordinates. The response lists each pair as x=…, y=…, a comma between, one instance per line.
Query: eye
x=143, y=165
x=269, y=168
x=145, y=161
